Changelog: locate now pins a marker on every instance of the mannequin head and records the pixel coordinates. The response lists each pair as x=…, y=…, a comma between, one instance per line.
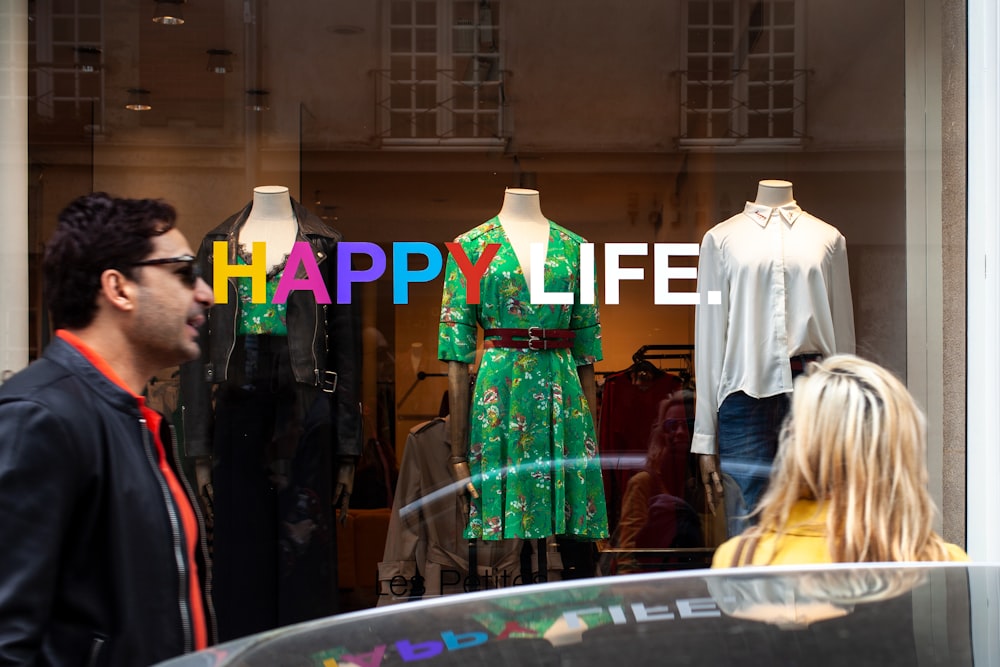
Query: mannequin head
x=774, y=193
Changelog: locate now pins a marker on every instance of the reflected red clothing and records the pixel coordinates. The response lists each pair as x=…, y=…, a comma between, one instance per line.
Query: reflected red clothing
x=629, y=408
x=188, y=520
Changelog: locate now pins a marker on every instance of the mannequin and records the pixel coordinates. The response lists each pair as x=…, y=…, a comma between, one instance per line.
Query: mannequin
x=271, y=220
x=276, y=448
x=498, y=417
x=785, y=292
x=523, y=223
x=774, y=193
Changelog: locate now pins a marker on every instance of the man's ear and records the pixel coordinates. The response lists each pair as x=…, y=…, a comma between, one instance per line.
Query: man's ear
x=118, y=290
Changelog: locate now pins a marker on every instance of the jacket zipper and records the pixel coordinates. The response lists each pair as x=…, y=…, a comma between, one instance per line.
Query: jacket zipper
x=183, y=594
x=96, y=646
x=316, y=370
x=236, y=315
x=235, y=294
x=202, y=538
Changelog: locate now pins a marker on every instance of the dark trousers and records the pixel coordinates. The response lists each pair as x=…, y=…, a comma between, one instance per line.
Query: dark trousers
x=274, y=557
x=748, y=441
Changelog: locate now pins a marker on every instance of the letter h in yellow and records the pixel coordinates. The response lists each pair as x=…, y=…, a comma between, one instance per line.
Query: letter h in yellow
x=256, y=271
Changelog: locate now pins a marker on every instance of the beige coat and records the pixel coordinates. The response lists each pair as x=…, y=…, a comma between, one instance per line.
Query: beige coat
x=425, y=548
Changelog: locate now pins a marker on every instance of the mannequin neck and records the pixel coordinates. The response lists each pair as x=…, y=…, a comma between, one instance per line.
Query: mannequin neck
x=774, y=193
x=521, y=206
x=523, y=223
x=272, y=202
x=271, y=220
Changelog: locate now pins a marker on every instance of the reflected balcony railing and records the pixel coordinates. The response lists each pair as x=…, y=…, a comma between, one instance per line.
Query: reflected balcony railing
x=747, y=107
x=449, y=108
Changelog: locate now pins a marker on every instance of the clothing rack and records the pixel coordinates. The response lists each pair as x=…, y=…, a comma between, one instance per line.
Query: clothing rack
x=660, y=351
x=665, y=351
x=677, y=350
x=421, y=376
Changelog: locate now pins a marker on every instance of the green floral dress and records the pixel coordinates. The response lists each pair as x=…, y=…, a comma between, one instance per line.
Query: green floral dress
x=532, y=446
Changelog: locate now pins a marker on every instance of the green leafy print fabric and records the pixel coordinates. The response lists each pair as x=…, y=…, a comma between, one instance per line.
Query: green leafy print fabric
x=533, y=449
x=261, y=318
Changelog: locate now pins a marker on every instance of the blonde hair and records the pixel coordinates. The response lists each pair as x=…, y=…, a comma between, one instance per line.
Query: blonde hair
x=855, y=441
x=657, y=450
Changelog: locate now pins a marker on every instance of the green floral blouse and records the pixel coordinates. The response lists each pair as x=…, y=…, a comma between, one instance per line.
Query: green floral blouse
x=532, y=449
x=261, y=318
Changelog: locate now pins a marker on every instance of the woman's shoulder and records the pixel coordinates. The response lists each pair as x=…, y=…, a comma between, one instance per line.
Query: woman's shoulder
x=723, y=556
x=769, y=548
x=955, y=552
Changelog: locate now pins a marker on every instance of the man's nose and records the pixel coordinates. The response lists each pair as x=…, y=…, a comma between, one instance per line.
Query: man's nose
x=203, y=294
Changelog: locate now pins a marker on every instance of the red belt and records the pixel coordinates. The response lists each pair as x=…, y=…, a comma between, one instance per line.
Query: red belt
x=535, y=338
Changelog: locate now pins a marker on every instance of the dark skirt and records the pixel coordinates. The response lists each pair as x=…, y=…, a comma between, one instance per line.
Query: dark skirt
x=274, y=560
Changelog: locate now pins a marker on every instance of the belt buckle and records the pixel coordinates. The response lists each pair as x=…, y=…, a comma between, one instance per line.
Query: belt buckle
x=328, y=382
x=536, y=335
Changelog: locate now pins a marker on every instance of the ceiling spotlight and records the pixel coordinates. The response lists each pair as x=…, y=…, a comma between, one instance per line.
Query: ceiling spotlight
x=138, y=100
x=258, y=100
x=169, y=12
x=88, y=58
x=220, y=61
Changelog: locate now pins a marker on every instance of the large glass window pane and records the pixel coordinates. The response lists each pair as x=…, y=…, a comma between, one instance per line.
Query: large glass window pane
x=426, y=13
x=401, y=40
x=409, y=120
x=698, y=12
x=426, y=68
x=698, y=40
x=425, y=40
x=401, y=68
x=401, y=12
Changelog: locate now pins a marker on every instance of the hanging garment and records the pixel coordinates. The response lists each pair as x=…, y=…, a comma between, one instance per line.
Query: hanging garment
x=274, y=544
x=274, y=403
x=426, y=554
x=533, y=449
x=774, y=288
x=629, y=407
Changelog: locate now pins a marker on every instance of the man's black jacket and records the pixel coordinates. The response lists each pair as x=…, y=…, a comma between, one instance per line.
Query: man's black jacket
x=93, y=568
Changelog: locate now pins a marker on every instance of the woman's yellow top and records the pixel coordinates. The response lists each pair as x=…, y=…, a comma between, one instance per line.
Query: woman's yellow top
x=804, y=541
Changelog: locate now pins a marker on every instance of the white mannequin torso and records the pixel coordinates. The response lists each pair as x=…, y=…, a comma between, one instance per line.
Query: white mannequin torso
x=271, y=220
x=774, y=193
x=523, y=223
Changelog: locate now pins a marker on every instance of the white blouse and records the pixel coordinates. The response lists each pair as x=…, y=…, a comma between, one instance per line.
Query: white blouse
x=781, y=276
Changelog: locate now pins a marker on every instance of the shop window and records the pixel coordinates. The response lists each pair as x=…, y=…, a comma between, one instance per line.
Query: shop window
x=65, y=46
x=443, y=81
x=744, y=80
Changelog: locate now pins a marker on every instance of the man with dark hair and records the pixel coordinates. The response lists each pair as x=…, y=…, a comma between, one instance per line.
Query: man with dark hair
x=101, y=556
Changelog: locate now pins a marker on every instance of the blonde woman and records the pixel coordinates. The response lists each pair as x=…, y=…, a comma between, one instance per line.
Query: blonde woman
x=658, y=507
x=849, y=483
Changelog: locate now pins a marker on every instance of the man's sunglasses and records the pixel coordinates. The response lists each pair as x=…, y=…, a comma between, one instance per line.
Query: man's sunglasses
x=188, y=274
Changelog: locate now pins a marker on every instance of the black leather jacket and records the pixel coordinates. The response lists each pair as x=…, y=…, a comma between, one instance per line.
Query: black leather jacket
x=324, y=340
x=93, y=566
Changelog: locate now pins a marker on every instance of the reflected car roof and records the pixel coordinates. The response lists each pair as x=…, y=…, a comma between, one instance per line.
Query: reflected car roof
x=872, y=614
